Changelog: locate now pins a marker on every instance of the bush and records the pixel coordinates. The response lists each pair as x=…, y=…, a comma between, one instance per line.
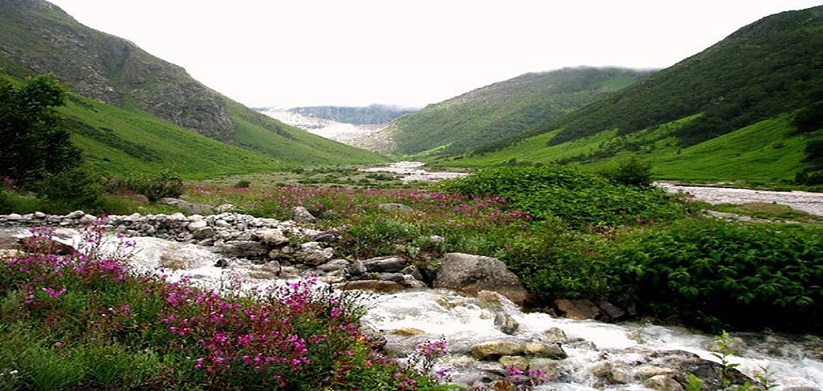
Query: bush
x=579, y=199
x=242, y=184
x=154, y=187
x=717, y=273
x=70, y=190
x=809, y=118
x=631, y=172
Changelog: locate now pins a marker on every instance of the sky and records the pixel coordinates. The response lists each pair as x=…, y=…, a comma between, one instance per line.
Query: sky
x=290, y=53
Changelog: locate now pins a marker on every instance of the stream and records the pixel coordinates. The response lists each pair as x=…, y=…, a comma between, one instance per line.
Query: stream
x=601, y=356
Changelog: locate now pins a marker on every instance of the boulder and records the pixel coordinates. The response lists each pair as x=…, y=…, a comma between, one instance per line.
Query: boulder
x=272, y=237
x=474, y=273
x=554, y=334
x=545, y=350
x=580, y=309
x=385, y=264
x=663, y=383
x=243, y=249
x=302, y=215
x=505, y=323
x=203, y=233
x=336, y=264
x=518, y=362
x=493, y=350
x=197, y=224
x=407, y=332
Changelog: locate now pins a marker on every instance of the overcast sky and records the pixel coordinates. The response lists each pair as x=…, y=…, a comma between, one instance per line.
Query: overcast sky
x=408, y=52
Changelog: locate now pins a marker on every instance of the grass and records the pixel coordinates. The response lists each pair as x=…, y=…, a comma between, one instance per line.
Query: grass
x=767, y=211
x=768, y=149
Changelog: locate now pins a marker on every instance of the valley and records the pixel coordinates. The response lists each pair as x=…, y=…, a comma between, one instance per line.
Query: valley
x=545, y=232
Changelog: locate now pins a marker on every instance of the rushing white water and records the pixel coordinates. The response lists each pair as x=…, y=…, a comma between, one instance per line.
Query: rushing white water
x=466, y=321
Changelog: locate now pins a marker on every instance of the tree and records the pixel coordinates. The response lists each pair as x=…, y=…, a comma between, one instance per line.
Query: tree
x=34, y=144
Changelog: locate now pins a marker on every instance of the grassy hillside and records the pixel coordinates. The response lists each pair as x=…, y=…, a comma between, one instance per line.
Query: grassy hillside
x=150, y=102
x=505, y=109
x=723, y=114
x=767, y=68
x=768, y=151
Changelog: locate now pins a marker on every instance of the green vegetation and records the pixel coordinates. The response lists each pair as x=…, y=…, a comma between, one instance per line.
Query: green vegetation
x=34, y=144
x=719, y=273
x=771, y=150
x=750, y=101
x=82, y=321
x=504, y=110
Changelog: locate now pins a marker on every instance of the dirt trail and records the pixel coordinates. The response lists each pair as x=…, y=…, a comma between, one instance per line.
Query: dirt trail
x=809, y=202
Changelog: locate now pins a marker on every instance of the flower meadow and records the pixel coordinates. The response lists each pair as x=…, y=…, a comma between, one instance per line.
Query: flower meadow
x=74, y=321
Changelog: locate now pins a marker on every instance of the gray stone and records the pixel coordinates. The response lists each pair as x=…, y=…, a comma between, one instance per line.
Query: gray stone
x=75, y=215
x=272, y=237
x=225, y=208
x=493, y=350
x=243, y=249
x=302, y=215
x=410, y=282
x=357, y=268
x=88, y=219
x=614, y=312
x=203, y=233
x=14, y=217
x=663, y=383
x=197, y=224
x=518, y=362
x=554, y=334
x=505, y=323
x=551, y=368
x=474, y=273
x=39, y=215
x=412, y=271
x=546, y=350
x=385, y=264
x=333, y=265
x=222, y=223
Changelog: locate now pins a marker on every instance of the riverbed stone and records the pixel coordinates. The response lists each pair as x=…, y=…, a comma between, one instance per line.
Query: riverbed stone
x=197, y=224
x=493, y=350
x=581, y=309
x=663, y=383
x=550, y=368
x=243, y=249
x=518, y=362
x=333, y=265
x=545, y=350
x=407, y=332
x=385, y=264
x=203, y=233
x=475, y=273
x=554, y=334
x=505, y=323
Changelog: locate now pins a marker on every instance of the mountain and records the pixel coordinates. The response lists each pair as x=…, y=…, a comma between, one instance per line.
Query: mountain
x=503, y=110
x=39, y=37
x=724, y=113
x=368, y=115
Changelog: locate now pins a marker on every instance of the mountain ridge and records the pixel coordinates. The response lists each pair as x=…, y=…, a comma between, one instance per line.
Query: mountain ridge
x=504, y=109
x=39, y=37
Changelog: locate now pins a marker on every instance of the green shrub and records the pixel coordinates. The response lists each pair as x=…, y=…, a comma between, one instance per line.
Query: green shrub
x=242, y=184
x=154, y=187
x=631, y=172
x=69, y=190
x=554, y=262
x=579, y=199
x=716, y=273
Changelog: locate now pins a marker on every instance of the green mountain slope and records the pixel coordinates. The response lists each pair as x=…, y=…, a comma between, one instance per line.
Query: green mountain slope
x=505, y=109
x=38, y=37
x=705, y=118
